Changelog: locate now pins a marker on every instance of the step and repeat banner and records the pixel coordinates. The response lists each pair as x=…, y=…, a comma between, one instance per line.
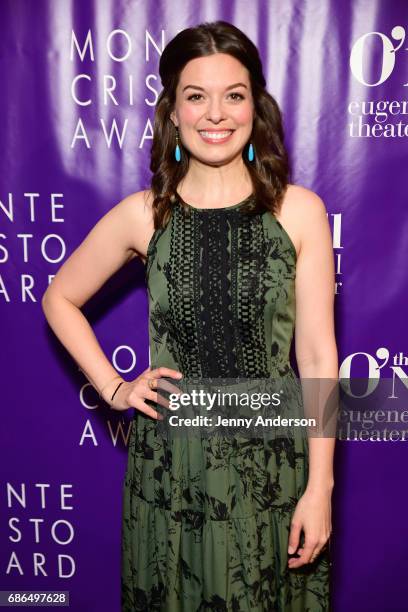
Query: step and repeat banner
x=80, y=84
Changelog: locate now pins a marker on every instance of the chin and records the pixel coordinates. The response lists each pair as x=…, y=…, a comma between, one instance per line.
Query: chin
x=216, y=159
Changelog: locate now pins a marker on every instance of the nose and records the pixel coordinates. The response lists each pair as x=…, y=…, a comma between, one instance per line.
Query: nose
x=215, y=112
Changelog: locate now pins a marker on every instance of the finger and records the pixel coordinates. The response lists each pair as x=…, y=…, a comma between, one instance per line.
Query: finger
x=298, y=560
x=304, y=556
x=162, y=371
x=158, y=376
x=155, y=397
x=295, y=562
x=294, y=535
x=322, y=545
x=316, y=552
x=309, y=548
x=148, y=410
x=167, y=386
x=149, y=393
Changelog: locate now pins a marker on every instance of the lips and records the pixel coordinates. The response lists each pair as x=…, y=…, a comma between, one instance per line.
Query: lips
x=215, y=133
x=214, y=136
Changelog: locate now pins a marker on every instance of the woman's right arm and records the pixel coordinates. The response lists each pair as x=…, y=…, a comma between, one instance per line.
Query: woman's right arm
x=120, y=235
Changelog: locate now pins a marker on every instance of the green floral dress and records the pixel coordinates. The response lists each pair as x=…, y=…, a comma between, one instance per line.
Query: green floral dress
x=206, y=520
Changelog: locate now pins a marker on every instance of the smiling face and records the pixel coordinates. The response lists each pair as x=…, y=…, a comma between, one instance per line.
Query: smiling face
x=214, y=108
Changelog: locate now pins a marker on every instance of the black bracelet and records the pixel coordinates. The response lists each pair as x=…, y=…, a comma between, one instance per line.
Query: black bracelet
x=114, y=393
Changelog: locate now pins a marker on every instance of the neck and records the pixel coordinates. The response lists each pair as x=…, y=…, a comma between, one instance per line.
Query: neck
x=220, y=184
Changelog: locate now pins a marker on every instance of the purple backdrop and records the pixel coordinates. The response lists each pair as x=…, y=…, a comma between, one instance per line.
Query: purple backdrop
x=80, y=82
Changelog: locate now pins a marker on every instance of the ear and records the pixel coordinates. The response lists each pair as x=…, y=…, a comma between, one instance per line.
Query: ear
x=173, y=118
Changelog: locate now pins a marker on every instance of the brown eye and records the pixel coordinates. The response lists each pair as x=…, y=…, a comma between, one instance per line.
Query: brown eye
x=240, y=96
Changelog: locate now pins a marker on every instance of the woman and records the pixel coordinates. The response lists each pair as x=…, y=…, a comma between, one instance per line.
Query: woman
x=234, y=254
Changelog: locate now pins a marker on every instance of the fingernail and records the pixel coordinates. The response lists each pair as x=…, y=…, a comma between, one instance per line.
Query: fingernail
x=291, y=550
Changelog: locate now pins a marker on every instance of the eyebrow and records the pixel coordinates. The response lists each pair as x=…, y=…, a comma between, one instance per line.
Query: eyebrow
x=229, y=86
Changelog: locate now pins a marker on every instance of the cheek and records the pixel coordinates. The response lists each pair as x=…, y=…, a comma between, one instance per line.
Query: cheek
x=189, y=115
x=243, y=114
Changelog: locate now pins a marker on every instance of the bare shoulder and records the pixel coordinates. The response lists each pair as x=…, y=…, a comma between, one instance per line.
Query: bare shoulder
x=301, y=214
x=303, y=199
x=137, y=213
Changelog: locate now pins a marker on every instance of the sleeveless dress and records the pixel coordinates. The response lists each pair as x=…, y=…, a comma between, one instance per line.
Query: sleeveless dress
x=206, y=522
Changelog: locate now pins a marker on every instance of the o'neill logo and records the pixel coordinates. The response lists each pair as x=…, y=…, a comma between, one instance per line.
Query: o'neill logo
x=374, y=58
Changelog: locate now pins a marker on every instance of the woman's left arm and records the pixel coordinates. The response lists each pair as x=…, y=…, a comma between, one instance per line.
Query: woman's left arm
x=317, y=360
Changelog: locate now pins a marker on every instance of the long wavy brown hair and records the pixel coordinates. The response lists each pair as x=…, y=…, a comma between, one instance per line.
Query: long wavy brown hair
x=269, y=171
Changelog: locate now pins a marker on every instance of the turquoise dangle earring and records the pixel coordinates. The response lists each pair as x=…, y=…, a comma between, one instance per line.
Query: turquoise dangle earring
x=251, y=154
x=177, y=152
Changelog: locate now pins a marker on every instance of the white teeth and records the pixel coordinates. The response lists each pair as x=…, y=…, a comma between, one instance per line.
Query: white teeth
x=216, y=135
